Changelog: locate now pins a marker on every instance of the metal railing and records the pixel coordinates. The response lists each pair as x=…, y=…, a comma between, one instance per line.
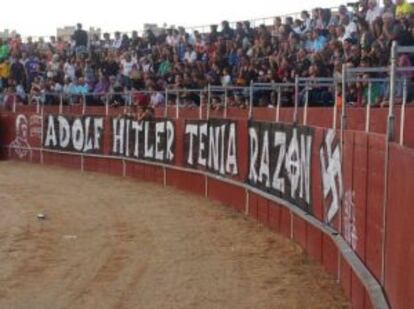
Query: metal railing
x=224, y=96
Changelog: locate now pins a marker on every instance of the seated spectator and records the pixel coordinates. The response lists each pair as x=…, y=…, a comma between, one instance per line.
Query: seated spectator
x=318, y=42
x=4, y=73
x=4, y=49
x=403, y=9
x=389, y=7
x=157, y=98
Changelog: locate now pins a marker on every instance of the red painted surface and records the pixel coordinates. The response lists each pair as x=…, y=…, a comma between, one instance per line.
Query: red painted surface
x=399, y=270
x=346, y=278
x=300, y=231
x=314, y=242
x=363, y=166
x=329, y=256
x=374, y=203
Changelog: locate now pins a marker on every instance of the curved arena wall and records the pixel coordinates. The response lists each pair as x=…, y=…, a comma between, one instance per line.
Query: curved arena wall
x=344, y=197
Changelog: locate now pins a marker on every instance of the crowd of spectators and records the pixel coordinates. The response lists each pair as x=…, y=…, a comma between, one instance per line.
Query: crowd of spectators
x=317, y=44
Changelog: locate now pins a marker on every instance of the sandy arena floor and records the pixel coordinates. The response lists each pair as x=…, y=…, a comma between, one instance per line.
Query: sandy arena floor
x=110, y=242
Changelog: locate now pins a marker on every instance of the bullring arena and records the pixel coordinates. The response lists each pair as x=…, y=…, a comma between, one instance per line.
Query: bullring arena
x=254, y=164
x=116, y=243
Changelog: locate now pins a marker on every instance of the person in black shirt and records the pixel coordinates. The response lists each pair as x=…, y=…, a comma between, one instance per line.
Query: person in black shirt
x=18, y=72
x=80, y=37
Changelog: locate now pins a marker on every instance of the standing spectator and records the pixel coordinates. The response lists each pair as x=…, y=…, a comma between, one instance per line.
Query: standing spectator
x=227, y=33
x=81, y=40
x=306, y=22
x=116, y=44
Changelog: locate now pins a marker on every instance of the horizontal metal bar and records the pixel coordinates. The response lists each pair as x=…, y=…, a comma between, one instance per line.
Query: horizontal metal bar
x=405, y=49
x=184, y=90
x=368, y=70
x=317, y=85
x=317, y=79
x=373, y=80
x=275, y=86
x=405, y=69
x=221, y=88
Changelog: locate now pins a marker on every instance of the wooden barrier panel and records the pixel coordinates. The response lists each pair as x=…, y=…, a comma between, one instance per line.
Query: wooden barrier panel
x=323, y=188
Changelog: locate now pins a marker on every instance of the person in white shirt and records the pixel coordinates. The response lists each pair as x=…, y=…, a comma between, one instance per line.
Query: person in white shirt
x=116, y=44
x=350, y=27
x=190, y=55
x=226, y=78
x=172, y=38
x=127, y=64
x=307, y=22
x=157, y=98
x=146, y=65
x=69, y=70
x=374, y=11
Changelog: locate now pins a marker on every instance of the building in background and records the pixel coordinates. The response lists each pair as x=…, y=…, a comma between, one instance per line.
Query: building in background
x=6, y=33
x=66, y=32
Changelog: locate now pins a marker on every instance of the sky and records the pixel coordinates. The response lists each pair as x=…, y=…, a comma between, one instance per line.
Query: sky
x=42, y=17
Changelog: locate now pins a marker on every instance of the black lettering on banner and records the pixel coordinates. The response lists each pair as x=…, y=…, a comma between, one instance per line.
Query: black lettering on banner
x=143, y=140
x=82, y=134
x=211, y=145
x=280, y=161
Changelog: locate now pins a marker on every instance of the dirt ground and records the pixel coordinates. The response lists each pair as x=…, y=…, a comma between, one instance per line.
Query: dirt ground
x=110, y=242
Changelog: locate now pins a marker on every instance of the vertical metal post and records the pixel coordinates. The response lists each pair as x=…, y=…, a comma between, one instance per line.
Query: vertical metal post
x=335, y=109
x=391, y=116
x=279, y=103
x=128, y=103
x=404, y=103
x=368, y=109
x=342, y=133
x=41, y=136
x=14, y=103
x=37, y=106
x=84, y=104
x=208, y=101
x=305, y=110
x=166, y=103
x=343, y=107
x=251, y=100
x=389, y=138
x=295, y=112
x=61, y=103
x=272, y=97
x=200, y=109
x=177, y=105
x=106, y=104
x=225, y=102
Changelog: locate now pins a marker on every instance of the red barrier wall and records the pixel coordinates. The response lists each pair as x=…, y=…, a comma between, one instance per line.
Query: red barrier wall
x=374, y=220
